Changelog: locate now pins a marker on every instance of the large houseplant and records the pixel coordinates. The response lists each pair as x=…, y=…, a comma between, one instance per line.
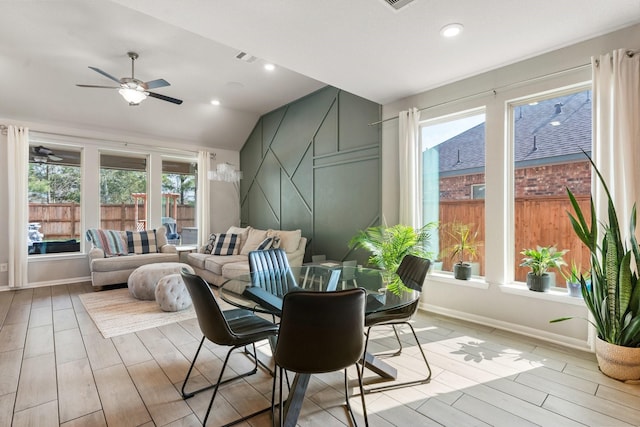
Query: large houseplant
x=464, y=248
x=614, y=295
x=540, y=261
x=388, y=245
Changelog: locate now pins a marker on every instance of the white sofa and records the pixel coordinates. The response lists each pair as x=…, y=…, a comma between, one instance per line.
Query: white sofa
x=116, y=269
x=216, y=269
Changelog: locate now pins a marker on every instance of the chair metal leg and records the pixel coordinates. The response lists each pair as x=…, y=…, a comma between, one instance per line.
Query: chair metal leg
x=403, y=384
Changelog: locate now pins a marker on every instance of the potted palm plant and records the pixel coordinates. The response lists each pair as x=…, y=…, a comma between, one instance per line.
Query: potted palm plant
x=540, y=261
x=388, y=245
x=464, y=249
x=613, y=299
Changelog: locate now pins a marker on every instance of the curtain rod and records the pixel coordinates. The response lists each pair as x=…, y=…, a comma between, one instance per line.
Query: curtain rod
x=494, y=91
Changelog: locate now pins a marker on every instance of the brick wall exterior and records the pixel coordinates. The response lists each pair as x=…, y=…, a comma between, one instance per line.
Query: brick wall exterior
x=546, y=180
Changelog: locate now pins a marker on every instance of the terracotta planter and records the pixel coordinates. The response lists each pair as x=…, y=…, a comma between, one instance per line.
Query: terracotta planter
x=621, y=363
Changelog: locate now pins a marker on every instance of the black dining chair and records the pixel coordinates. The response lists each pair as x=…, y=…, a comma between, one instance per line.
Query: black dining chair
x=234, y=328
x=270, y=270
x=320, y=332
x=412, y=271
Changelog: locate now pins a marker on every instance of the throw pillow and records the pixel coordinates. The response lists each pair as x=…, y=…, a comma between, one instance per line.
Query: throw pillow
x=255, y=238
x=110, y=241
x=226, y=244
x=266, y=244
x=289, y=240
x=208, y=248
x=242, y=232
x=142, y=242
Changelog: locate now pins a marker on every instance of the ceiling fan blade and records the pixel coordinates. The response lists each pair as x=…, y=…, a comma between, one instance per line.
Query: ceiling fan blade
x=153, y=84
x=104, y=73
x=165, y=98
x=99, y=87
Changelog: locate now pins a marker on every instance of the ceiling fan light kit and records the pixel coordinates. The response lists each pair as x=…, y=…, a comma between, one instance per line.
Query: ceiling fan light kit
x=135, y=91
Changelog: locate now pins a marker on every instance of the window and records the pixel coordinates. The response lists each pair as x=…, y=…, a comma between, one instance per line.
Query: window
x=453, y=159
x=54, y=199
x=123, y=192
x=549, y=136
x=179, y=178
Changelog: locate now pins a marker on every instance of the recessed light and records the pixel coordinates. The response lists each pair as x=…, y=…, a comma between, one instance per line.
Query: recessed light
x=215, y=102
x=533, y=103
x=554, y=123
x=451, y=30
x=269, y=67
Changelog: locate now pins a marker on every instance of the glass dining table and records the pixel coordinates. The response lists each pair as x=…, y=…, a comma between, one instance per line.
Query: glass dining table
x=250, y=291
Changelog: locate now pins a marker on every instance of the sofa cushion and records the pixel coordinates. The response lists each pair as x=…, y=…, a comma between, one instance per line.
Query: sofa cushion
x=235, y=269
x=242, y=232
x=111, y=242
x=215, y=263
x=142, y=242
x=197, y=259
x=289, y=240
x=129, y=262
x=255, y=238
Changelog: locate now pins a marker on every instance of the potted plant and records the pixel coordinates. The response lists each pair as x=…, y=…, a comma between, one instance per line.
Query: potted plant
x=613, y=299
x=388, y=245
x=540, y=261
x=572, y=278
x=464, y=248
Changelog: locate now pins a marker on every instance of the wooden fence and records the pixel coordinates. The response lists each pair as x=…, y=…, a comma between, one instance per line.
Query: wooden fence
x=540, y=221
x=61, y=221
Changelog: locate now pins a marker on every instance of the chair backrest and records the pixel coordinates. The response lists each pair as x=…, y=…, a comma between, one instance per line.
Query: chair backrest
x=321, y=331
x=413, y=270
x=212, y=322
x=271, y=271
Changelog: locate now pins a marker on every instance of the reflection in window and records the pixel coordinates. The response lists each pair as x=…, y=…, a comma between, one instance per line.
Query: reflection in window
x=453, y=159
x=54, y=200
x=550, y=136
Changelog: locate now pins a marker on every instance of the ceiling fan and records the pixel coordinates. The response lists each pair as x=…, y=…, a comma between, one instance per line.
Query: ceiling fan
x=43, y=155
x=135, y=91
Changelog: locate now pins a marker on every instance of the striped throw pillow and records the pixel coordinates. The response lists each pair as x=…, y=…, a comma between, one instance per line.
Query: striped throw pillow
x=110, y=241
x=142, y=242
x=226, y=244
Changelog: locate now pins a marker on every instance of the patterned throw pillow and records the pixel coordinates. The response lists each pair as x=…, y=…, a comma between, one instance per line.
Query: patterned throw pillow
x=208, y=248
x=142, y=242
x=226, y=244
x=266, y=244
x=110, y=241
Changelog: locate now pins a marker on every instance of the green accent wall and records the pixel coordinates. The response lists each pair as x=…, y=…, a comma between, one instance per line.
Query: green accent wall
x=314, y=164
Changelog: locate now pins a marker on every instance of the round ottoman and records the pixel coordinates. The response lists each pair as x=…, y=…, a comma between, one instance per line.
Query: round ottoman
x=172, y=294
x=142, y=282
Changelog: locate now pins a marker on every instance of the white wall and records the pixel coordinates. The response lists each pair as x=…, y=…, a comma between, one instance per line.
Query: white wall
x=496, y=301
x=69, y=268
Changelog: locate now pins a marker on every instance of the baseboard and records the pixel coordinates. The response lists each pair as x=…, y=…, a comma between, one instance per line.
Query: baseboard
x=510, y=327
x=49, y=283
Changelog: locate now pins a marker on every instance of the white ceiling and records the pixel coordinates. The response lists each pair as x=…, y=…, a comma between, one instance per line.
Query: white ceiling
x=362, y=46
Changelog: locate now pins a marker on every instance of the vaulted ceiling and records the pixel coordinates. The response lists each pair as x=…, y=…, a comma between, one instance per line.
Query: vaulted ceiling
x=365, y=47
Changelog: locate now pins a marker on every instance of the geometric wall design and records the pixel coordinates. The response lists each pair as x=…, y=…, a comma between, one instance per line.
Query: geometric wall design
x=314, y=164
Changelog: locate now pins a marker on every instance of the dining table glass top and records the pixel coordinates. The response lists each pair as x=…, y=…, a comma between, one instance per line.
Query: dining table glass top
x=263, y=291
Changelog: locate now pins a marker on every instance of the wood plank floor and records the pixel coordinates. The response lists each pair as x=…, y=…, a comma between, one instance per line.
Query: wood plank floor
x=57, y=370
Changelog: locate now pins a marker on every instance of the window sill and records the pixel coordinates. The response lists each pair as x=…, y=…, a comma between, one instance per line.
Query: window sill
x=442, y=277
x=556, y=295
x=53, y=257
